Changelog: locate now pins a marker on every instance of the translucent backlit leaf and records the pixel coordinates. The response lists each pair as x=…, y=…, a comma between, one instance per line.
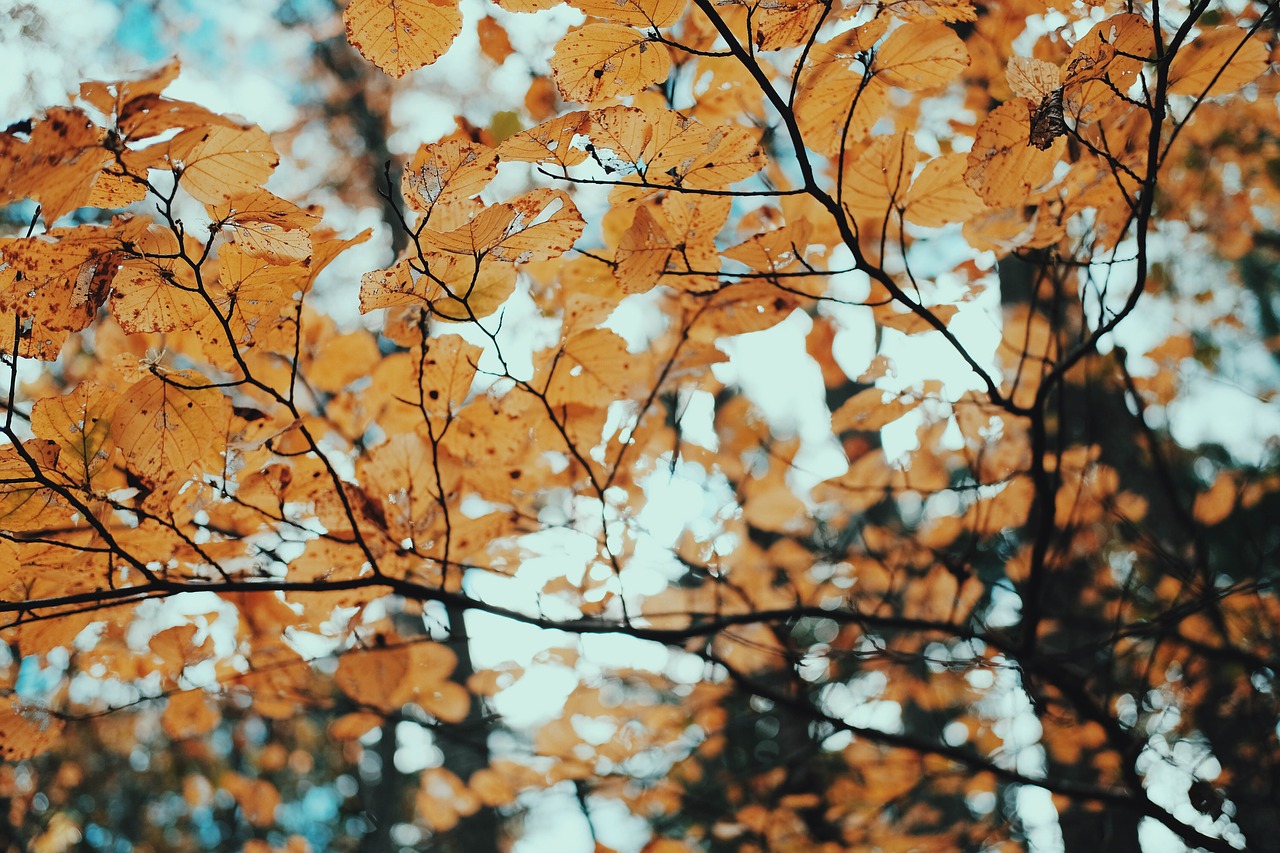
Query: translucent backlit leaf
x=921, y=55
x=400, y=36
x=837, y=108
x=550, y=142
x=1032, y=78
x=536, y=226
x=637, y=13
x=643, y=254
x=164, y=425
x=947, y=11
x=940, y=195
x=220, y=163
x=447, y=172
x=80, y=424
x=1003, y=166
x=1217, y=63
x=603, y=61
x=877, y=180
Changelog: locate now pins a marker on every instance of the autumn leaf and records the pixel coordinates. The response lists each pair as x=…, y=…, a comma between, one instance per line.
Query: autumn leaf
x=643, y=254
x=165, y=424
x=267, y=226
x=1004, y=167
x=220, y=163
x=80, y=424
x=447, y=172
x=837, y=108
x=921, y=55
x=877, y=181
x=1218, y=62
x=939, y=193
x=25, y=730
x=400, y=36
x=552, y=141
x=603, y=61
x=637, y=13
x=536, y=226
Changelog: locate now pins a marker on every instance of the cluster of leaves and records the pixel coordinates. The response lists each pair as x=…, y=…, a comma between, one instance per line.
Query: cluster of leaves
x=317, y=506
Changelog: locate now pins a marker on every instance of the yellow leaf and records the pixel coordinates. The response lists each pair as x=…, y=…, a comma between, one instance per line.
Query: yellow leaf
x=164, y=425
x=24, y=503
x=448, y=366
x=80, y=424
x=626, y=131
x=784, y=25
x=593, y=369
x=824, y=104
x=400, y=36
x=909, y=322
x=947, y=11
x=687, y=153
x=537, y=226
x=1032, y=78
x=638, y=13
x=877, y=180
x=778, y=250
x=921, y=55
x=867, y=410
x=446, y=172
x=1003, y=166
x=550, y=141
x=270, y=241
x=603, y=61
x=223, y=162
x=1217, y=63
x=643, y=254
x=940, y=195
x=147, y=298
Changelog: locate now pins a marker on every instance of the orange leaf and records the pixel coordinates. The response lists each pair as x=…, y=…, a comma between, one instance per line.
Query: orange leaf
x=551, y=141
x=165, y=425
x=1003, y=166
x=537, y=226
x=25, y=730
x=494, y=42
x=867, y=410
x=400, y=36
x=603, y=61
x=825, y=101
x=921, y=55
x=940, y=195
x=637, y=13
x=220, y=163
x=447, y=172
x=80, y=424
x=188, y=714
x=643, y=254
x=373, y=677
x=877, y=180
x=1217, y=63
